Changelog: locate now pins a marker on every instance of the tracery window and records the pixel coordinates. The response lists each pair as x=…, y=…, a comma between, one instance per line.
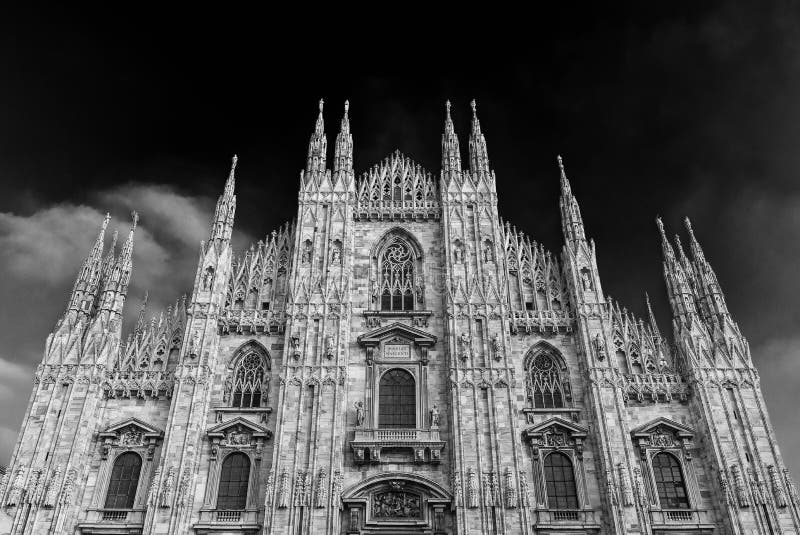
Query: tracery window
x=560, y=480
x=397, y=276
x=248, y=380
x=233, y=481
x=124, y=481
x=670, y=486
x=397, y=400
x=545, y=387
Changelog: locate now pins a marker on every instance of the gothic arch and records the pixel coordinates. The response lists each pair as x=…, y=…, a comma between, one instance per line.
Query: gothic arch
x=399, y=232
x=396, y=272
x=251, y=346
x=548, y=348
x=547, y=378
x=247, y=382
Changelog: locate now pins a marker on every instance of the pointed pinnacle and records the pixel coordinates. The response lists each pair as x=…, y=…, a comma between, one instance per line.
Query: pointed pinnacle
x=320, y=127
x=697, y=251
x=230, y=184
x=566, y=189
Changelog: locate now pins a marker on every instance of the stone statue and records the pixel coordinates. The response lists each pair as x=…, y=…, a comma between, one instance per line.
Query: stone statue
x=600, y=346
x=497, y=347
x=466, y=345
x=459, y=254
x=586, y=280
x=435, y=416
x=336, y=255
x=329, y=346
x=360, y=413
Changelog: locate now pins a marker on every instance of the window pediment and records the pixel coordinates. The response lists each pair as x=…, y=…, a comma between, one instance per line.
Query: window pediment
x=397, y=342
x=556, y=432
x=662, y=432
x=238, y=432
x=131, y=425
x=399, y=331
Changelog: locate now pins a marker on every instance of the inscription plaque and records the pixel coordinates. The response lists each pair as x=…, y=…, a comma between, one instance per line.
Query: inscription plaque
x=397, y=351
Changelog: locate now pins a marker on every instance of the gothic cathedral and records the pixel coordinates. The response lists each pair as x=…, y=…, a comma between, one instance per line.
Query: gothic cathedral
x=397, y=361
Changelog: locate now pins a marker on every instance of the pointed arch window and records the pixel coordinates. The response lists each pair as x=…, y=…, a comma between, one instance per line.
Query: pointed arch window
x=669, y=482
x=560, y=480
x=545, y=384
x=248, y=380
x=124, y=481
x=397, y=272
x=397, y=400
x=233, y=482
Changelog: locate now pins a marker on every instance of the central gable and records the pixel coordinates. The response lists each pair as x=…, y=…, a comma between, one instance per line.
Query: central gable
x=397, y=188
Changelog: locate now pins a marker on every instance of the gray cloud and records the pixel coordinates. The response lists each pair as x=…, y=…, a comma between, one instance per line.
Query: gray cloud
x=40, y=254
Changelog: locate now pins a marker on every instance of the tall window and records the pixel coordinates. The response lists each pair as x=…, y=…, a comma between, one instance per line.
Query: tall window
x=397, y=400
x=124, y=481
x=248, y=380
x=560, y=479
x=233, y=482
x=397, y=276
x=544, y=382
x=669, y=482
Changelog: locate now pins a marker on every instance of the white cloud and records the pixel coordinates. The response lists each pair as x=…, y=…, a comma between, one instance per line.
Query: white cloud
x=41, y=253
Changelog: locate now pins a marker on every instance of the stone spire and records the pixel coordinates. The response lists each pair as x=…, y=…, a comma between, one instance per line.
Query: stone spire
x=652, y=318
x=571, y=220
x=317, y=146
x=87, y=285
x=679, y=288
x=343, y=162
x=116, y=285
x=222, y=227
x=478, y=155
x=451, y=154
x=708, y=289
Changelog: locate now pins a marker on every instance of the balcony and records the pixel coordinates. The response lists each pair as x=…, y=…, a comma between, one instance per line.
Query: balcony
x=216, y=520
x=566, y=519
x=683, y=519
x=122, y=521
x=424, y=445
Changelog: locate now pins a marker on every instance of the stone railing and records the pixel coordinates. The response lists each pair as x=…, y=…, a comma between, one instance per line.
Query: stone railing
x=527, y=321
x=128, y=517
x=424, y=444
x=560, y=517
x=393, y=210
x=694, y=518
x=230, y=518
x=252, y=321
x=654, y=387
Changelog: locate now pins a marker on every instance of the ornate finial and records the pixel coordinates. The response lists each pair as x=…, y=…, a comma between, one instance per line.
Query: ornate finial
x=321, y=104
x=660, y=225
x=447, y=106
x=560, y=162
x=135, y=218
x=473, y=106
x=346, y=106
x=689, y=228
x=106, y=220
x=234, y=160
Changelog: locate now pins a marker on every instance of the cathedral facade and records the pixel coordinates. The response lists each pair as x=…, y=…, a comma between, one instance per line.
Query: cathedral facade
x=397, y=361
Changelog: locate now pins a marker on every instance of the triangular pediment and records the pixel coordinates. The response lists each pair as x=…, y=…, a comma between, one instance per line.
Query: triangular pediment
x=123, y=426
x=650, y=427
x=380, y=334
x=571, y=428
x=254, y=429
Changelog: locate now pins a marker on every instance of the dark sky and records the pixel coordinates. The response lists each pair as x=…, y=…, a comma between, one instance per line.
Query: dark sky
x=691, y=110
